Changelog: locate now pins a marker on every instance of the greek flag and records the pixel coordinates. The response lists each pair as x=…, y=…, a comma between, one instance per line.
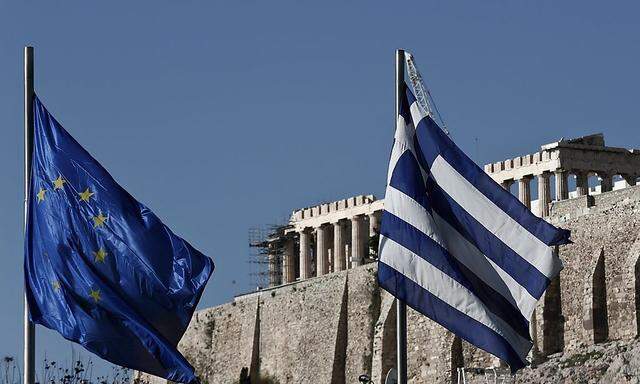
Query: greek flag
x=456, y=246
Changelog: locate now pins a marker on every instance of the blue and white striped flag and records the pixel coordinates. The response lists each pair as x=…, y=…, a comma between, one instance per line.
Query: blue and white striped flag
x=456, y=246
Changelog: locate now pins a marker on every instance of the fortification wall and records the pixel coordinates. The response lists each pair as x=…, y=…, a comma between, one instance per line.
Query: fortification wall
x=598, y=286
x=319, y=330
x=331, y=329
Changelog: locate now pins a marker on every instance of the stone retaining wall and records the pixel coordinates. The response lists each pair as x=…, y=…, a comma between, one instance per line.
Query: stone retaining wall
x=331, y=329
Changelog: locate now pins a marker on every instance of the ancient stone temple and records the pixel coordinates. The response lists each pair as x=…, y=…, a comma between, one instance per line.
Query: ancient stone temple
x=580, y=157
x=323, y=239
x=325, y=320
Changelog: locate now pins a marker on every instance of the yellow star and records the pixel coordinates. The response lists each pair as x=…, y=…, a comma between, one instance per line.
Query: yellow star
x=95, y=295
x=56, y=285
x=59, y=182
x=41, y=194
x=98, y=221
x=100, y=255
x=84, y=196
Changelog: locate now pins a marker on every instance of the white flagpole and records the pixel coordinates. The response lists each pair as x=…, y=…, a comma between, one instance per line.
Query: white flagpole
x=29, y=328
x=401, y=318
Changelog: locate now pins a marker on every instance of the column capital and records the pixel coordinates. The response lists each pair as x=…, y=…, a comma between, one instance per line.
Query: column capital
x=546, y=174
x=305, y=230
x=580, y=173
x=506, y=184
x=605, y=175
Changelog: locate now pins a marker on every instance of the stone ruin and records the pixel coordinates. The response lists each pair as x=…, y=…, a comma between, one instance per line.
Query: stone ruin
x=325, y=320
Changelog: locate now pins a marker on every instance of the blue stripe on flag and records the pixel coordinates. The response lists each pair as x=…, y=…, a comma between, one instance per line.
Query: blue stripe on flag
x=455, y=321
x=422, y=245
x=534, y=281
x=404, y=109
x=407, y=178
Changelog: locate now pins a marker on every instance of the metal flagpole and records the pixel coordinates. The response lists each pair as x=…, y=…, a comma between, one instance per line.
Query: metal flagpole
x=29, y=328
x=401, y=318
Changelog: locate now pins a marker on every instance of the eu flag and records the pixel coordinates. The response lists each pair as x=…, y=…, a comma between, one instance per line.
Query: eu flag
x=100, y=267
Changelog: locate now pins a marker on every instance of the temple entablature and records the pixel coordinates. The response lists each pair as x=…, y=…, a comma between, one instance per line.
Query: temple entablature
x=329, y=213
x=585, y=154
x=581, y=157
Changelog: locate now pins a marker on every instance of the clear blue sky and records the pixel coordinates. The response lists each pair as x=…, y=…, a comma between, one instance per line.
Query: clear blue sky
x=221, y=116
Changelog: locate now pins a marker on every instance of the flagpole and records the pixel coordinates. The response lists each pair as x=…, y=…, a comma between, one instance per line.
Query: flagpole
x=29, y=328
x=401, y=318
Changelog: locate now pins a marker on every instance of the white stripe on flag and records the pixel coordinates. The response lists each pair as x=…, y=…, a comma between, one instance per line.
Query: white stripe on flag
x=407, y=209
x=467, y=253
x=416, y=113
x=448, y=290
x=494, y=219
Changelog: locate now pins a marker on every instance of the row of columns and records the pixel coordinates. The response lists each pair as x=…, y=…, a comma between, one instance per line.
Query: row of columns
x=561, y=187
x=326, y=252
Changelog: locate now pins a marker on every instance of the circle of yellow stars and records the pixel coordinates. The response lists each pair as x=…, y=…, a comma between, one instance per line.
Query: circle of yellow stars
x=98, y=221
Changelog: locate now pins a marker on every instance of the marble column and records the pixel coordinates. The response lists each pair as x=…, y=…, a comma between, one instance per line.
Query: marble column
x=288, y=262
x=524, y=190
x=322, y=248
x=582, y=183
x=374, y=230
x=357, y=241
x=562, y=187
x=305, y=255
x=606, y=182
x=544, y=194
x=507, y=184
x=366, y=236
x=339, y=255
x=374, y=223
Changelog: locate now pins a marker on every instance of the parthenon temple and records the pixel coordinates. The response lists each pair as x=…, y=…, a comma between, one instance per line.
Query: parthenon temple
x=343, y=234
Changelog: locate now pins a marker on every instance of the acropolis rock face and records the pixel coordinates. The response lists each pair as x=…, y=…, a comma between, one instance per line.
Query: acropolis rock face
x=325, y=320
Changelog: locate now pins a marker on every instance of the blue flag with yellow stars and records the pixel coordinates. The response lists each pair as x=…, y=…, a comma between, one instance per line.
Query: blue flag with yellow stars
x=100, y=267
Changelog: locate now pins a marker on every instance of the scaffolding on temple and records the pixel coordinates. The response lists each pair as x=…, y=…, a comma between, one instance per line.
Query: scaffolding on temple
x=266, y=253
